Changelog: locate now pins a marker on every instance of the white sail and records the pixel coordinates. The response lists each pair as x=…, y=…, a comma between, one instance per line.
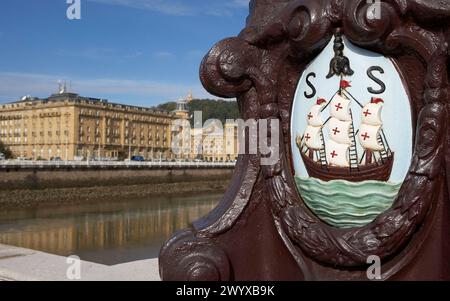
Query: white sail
x=340, y=108
x=371, y=114
x=314, y=118
x=338, y=154
x=368, y=137
x=339, y=131
x=312, y=138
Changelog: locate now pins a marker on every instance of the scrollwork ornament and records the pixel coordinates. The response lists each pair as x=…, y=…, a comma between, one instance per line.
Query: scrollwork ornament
x=260, y=68
x=189, y=258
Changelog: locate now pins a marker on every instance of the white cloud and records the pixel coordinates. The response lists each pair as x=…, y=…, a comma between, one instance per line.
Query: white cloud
x=183, y=8
x=97, y=53
x=138, y=92
x=241, y=3
x=168, y=7
x=134, y=55
x=164, y=55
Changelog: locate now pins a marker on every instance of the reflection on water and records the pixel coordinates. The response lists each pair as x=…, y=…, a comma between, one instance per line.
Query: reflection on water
x=104, y=233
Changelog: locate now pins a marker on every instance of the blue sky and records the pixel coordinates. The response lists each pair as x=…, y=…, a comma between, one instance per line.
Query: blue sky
x=140, y=52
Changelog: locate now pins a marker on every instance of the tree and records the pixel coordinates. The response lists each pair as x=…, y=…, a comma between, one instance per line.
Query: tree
x=211, y=109
x=5, y=150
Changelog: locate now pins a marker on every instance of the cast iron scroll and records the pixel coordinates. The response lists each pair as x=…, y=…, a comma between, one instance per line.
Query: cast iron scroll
x=262, y=66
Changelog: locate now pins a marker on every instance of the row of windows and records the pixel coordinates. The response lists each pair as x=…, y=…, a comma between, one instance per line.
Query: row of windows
x=33, y=134
x=26, y=140
x=17, y=121
x=116, y=131
x=127, y=120
x=109, y=140
x=33, y=125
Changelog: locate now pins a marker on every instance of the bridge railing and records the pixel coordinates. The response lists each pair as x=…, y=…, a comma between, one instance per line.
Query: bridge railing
x=116, y=164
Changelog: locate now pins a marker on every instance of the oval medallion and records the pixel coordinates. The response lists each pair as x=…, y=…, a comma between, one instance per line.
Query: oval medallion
x=351, y=134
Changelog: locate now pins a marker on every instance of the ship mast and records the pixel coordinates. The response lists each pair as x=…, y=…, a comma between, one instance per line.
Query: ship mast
x=342, y=150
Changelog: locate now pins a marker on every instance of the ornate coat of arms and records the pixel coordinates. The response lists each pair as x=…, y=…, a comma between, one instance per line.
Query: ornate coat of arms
x=352, y=148
x=364, y=167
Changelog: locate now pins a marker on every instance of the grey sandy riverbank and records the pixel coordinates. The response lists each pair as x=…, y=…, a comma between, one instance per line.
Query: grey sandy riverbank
x=49, y=197
x=46, y=188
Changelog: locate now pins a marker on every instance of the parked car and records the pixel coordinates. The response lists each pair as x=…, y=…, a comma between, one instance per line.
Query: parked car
x=2, y=157
x=137, y=159
x=56, y=159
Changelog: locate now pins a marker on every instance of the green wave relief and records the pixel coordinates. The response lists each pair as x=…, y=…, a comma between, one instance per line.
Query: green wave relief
x=344, y=204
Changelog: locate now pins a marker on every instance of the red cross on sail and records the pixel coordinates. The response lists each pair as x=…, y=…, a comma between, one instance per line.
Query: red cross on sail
x=339, y=127
x=340, y=108
x=371, y=125
x=368, y=137
x=313, y=131
x=339, y=131
x=314, y=118
x=312, y=138
x=338, y=154
x=371, y=114
x=365, y=136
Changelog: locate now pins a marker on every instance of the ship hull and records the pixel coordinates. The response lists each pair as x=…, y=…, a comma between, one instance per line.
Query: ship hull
x=369, y=172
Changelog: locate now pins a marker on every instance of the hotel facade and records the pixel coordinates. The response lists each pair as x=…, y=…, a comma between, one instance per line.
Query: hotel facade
x=213, y=142
x=71, y=127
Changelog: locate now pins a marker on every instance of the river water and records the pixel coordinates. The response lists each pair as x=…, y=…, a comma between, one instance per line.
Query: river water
x=108, y=233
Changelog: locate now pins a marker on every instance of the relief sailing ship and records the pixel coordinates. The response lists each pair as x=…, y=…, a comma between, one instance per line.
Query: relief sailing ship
x=336, y=157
